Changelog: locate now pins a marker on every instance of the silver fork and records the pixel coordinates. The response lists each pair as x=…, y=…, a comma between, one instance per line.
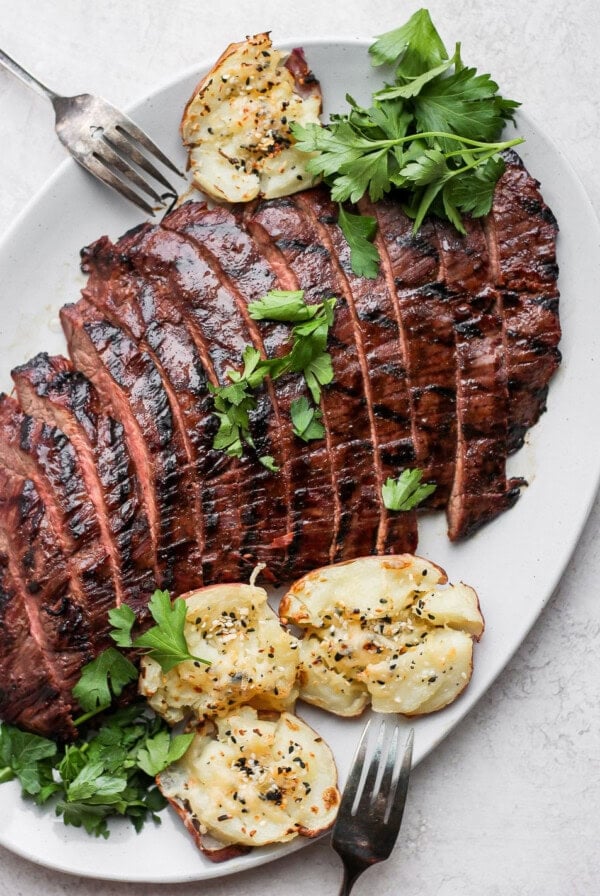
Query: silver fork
x=105, y=142
x=372, y=805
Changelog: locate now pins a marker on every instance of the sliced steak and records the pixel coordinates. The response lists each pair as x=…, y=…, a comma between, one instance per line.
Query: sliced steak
x=264, y=506
x=357, y=496
x=32, y=450
x=304, y=479
x=382, y=363
x=51, y=390
x=29, y=695
x=521, y=232
x=132, y=388
x=426, y=313
x=480, y=489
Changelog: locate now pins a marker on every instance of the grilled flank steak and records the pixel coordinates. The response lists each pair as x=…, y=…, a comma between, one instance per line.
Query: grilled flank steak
x=110, y=482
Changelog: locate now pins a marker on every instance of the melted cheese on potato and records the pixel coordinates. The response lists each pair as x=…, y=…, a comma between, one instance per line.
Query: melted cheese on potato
x=254, y=781
x=252, y=658
x=236, y=126
x=383, y=630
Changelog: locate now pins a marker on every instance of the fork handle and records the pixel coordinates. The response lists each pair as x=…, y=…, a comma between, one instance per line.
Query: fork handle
x=28, y=79
x=349, y=879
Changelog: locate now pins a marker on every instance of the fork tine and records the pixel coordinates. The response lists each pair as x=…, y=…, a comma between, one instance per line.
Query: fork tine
x=372, y=783
x=132, y=130
x=99, y=170
x=356, y=773
x=107, y=155
x=399, y=788
x=120, y=141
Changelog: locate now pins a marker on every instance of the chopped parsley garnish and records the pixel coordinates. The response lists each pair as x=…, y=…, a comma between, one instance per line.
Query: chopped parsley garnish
x=308, y=355
x=306, y=420
x=432, y=133
x=407, y=491
x=108, y=773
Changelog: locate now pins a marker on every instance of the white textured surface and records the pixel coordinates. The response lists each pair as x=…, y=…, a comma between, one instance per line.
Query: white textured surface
x=510, y=802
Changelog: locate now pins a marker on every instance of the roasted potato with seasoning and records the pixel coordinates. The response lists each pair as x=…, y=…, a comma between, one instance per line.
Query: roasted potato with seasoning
x=236, y=125
x=253, y=659
x=249, y=781
x=389, y=631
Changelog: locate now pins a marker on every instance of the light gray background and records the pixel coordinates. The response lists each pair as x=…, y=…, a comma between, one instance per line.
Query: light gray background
x=510, y=802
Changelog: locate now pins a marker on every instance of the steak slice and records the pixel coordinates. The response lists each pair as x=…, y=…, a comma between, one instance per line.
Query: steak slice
x=521, y=232
x=29, y=695
x=357, y=497
x=131, y=386
x=384, y=373
x=426, y=314
x=305, y=534
x=480, y=489
x=51, y=390
x=264, y=508
x=43, y=454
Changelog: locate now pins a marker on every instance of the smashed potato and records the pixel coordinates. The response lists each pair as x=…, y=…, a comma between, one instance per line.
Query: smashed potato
x=236, y=126
x=388, y=631
x=252, y=658
x=248, y=781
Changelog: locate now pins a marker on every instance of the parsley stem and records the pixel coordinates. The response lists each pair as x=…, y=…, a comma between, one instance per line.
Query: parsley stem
x=88, y=715
x=479, y=144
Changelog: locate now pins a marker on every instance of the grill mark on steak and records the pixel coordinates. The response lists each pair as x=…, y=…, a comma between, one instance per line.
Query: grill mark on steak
x=28, y=696
x=212, y=231
x=130, y=384
x=42, y=453
x=425, y=309
x=51, y=390
x=294, y=231
x=383, y=374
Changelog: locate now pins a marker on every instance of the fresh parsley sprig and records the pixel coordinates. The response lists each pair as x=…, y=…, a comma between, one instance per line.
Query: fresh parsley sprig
x=433, y=133
x=407, y=491
x=308, y=356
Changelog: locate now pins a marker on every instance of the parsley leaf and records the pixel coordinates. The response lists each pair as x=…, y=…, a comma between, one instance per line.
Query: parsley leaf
x=166, y=640
x=107, y=773
x=104, y=677
x=161, y=750
x=27, y=757
x=122, y=620
x=306, y=420
x=360, y=231
x=414, y=46
x=405, y=492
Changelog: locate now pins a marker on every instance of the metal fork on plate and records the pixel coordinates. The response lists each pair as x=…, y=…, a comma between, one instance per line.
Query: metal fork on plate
x=106, y=143
x=372, y=805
